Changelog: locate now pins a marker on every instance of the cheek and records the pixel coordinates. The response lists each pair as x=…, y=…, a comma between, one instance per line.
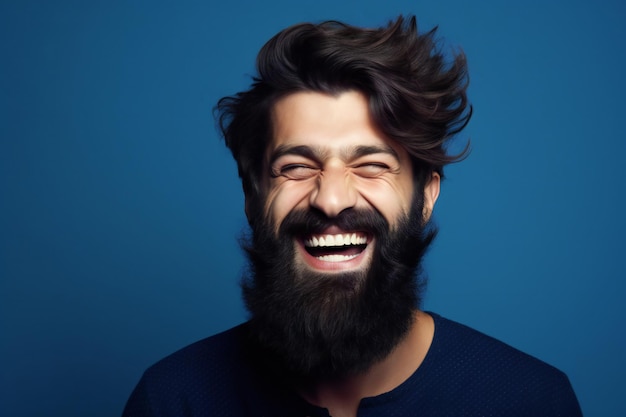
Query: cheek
x=391, y=198
x=283, y=198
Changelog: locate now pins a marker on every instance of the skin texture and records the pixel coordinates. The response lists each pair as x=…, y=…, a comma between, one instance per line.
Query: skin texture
x=334, y=178
x=327, y=155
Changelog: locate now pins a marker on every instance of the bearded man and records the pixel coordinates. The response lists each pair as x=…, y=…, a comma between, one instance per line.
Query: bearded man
x=340, y=145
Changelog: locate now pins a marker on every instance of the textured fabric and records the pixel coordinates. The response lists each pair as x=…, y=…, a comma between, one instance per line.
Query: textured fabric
x=465, y=373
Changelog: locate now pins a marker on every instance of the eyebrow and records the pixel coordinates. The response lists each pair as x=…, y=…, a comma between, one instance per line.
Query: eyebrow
x=309, y=152
x=317, y=154
x=360, y=151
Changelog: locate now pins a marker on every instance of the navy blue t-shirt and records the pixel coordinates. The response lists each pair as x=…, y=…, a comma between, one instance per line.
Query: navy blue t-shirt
x=465, y=373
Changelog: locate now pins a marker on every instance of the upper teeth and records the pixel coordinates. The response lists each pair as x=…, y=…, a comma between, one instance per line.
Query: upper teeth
x=336, y=240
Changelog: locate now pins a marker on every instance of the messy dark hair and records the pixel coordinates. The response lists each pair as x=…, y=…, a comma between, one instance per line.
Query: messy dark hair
x=416, y=97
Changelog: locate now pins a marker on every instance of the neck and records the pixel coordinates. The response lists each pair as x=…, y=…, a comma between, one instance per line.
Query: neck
x=342, y=396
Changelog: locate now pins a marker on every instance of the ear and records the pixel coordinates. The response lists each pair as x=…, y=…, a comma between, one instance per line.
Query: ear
x=431, y=193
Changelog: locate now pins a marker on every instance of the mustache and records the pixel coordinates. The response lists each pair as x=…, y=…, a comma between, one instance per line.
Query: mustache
x=312, y=221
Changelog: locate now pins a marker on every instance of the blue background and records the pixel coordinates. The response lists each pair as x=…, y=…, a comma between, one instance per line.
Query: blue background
x=120, y=206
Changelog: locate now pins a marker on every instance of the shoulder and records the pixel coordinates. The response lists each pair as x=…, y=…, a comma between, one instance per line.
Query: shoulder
x=202, y=377
x=483, y=371
x=216, y=354
x=458, y=342
x=218, y=376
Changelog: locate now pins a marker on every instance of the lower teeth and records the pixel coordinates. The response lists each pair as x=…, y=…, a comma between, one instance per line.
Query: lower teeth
x=336, y=258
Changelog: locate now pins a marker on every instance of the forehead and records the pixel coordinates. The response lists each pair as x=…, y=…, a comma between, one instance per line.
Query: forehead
x=324, y=121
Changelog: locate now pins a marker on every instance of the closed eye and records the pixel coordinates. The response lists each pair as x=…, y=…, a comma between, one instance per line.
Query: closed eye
x=370, y=169
x=295, y=171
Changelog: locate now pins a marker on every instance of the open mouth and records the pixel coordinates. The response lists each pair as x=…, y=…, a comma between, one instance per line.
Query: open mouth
x=336, y=247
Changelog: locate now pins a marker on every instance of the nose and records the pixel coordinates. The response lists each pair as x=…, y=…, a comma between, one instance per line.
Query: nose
x=334, y=192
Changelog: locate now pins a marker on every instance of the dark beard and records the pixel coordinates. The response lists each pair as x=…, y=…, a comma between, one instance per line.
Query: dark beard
x=311, y=326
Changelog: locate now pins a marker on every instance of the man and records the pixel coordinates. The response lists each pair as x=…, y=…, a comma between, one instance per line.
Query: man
x=340, y=144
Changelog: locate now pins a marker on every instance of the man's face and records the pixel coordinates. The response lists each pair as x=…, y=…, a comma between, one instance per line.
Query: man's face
x=327, y=155
x=341, y=226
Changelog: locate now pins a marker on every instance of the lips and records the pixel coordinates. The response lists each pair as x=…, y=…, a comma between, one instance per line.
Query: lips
x=339, y=247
